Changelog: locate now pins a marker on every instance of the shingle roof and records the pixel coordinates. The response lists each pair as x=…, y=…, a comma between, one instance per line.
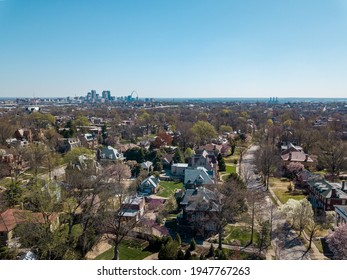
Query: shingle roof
x=197, y=175
x=10, y=218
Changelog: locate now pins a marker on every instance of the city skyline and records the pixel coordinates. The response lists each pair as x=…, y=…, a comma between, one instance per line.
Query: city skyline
x=175, y=49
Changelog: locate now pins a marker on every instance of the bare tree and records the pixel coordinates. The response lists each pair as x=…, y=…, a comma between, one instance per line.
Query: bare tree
x=267, y=162
x=231, y=204
x=333, y=156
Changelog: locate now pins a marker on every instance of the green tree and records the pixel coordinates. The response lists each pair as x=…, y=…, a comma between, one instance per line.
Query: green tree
x=203, y=132
x=178, y=239
x=13, y=194
x=168, y=251
x=178, y=156
x=73, y=155
x=192, y=246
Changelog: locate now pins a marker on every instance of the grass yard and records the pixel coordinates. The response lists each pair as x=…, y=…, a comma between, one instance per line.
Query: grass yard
x=127, y=251
x=168, y=188
x=230, y=168
x=284, y=195
x=240, y=233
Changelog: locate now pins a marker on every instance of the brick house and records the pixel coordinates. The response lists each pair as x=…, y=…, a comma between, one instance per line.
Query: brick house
x=10, y=218
x=200, y=207
x=324, y=195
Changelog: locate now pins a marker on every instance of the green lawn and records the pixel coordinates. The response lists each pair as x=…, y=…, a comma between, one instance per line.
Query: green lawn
x=231, y=169
x=127, y=251
x=168, y=188
x=284, y=196
x=240, y=233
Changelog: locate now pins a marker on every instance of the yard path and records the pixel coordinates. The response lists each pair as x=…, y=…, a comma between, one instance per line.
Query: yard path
x=99, y=248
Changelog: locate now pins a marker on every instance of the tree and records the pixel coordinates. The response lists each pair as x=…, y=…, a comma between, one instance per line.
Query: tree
x=36, y=154
x=188, y=153
x=178, y=156
x=300, y=213
x=203, y=132
x=13, y=194
x=192, y=246
x=255, y=201
x=210, y=251
x=169, y=250
x=178, y=239
x=264, y=236
x=6, y=131
x=231, y=203
x=333, y=156
x=221, y=165
x=267, y=162
x=337, y=241
x=136, y=153
x=73, y=155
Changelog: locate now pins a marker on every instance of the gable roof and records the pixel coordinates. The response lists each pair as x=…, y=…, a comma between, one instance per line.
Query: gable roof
x=146, y=164
x=296, y=156
x=197, y=175
x=200, y=199
x=10, y=218
x=150, y=182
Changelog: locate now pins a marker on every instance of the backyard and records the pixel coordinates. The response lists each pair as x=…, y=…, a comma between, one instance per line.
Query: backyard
x=168, y=188
x=130, y=249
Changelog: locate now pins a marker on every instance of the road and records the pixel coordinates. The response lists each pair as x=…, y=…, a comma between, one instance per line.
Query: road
x=286, y=245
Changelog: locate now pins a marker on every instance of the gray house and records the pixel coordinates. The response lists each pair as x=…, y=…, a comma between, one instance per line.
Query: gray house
x=110, y=153
x=195, y=177
x=149, y=185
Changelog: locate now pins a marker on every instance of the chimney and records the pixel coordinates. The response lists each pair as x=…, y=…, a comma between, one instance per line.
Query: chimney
x=344, y=186
x=333, y=193
x=290, y=156
x=306, y=157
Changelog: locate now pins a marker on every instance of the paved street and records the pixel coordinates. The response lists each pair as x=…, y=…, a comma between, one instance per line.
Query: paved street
x=285, y=243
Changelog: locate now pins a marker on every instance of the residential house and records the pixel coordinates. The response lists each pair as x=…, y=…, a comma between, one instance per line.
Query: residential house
x=291, y=153
x=203, y=159
x=340, y=215
x=88, y=140
x=68, y=144
x=211, y=148
x=133, y=207
x=325, y=195
x=10, y=218
x=122, y=148
x=178, y=169
x=200, y=207
x=23, y=134
x=195, y=177
x=147, y=165
x=167, y=160
x=109, y=153
x=149, y=185
x=303, y=177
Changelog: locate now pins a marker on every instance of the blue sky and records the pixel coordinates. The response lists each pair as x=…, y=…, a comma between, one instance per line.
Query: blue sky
x=174, y=48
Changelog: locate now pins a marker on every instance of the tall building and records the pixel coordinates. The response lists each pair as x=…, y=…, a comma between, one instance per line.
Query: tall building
x=106, y=94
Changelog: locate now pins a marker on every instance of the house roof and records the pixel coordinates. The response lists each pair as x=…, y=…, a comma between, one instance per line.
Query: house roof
x=168, y=158
x=146, y=164
x=296, y=157
x=133, y=200
x=342, y=210
x=197, y=175
x=111, y=153
x=200, y=199
x=10, y=218
x=184, y=165
x=150, y=182
x=327, y=189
